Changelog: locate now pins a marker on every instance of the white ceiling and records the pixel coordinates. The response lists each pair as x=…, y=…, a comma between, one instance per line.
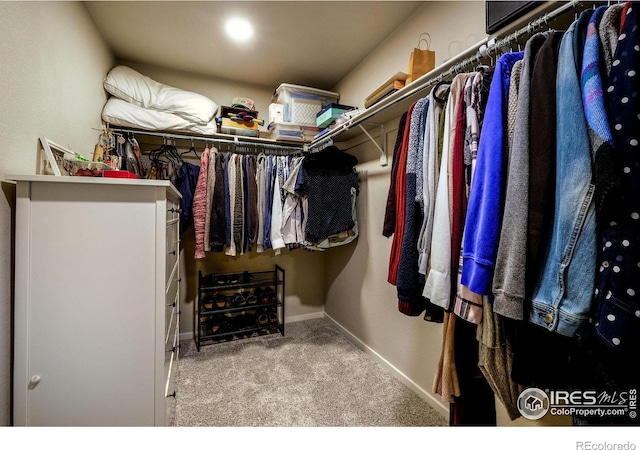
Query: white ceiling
x=299, y=42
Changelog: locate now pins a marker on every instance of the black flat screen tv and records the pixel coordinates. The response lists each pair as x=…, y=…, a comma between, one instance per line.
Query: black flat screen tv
x=500, y=14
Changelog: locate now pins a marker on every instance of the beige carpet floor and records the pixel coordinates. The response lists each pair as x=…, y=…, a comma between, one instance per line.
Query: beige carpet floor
x=312, y=377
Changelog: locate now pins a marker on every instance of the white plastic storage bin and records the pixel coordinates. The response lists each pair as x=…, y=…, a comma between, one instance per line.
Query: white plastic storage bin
x=292, y=132
x=302, y=103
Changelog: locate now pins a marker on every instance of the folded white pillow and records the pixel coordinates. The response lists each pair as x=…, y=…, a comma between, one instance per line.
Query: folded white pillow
x=127, y=84
x=124, y=114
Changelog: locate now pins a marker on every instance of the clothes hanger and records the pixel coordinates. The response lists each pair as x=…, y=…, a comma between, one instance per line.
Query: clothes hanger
x=437, y=87
x=191, y=149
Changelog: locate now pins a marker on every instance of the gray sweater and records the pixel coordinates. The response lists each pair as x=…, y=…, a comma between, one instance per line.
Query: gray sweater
x=510, y=271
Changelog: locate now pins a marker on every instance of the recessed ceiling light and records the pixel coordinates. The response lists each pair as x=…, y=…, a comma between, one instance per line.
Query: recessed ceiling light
x=239, y=29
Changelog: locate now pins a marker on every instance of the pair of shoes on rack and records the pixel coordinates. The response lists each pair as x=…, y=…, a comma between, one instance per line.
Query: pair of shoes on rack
x=218, y=301
x=238, y=299
x=208, y=304
x=267, y=318
x=227, y=279
x=266, y=295
x=209, y=325
x=252, y=299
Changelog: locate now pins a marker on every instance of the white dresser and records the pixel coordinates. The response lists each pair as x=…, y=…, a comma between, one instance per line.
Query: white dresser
x=97, y=297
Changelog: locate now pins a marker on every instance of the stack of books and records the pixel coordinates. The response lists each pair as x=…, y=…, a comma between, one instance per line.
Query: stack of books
x=390, y=86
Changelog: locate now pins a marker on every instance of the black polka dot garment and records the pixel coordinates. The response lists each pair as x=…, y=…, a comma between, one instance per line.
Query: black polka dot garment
x=617, y=307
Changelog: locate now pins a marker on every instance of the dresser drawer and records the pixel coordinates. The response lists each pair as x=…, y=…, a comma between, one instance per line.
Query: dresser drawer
x=172, y=329
x=172, y=247
x=170, y=364
x=172, y=299
x=173, y=209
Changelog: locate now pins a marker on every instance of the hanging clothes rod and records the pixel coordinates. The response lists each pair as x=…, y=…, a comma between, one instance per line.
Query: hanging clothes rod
x=471, y=56
x=237, y=141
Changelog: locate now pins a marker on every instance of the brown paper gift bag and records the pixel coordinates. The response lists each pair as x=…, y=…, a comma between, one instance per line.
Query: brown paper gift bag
x=421, y=60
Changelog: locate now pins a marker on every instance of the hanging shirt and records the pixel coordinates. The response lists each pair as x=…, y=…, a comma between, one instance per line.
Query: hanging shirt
x=232, y=248
x=186, y=181
x=227, y=200
x=217, y=230
x=268, y=205
x=328, y=178
x=261, y=174
x=408, y=283
x=399, y=192
x=437, y=99
x=251, y=202
x=277, y=242
x=211, y=181
x=616, y=316
x=511, y=259
x=200, y=204
x=439, y=281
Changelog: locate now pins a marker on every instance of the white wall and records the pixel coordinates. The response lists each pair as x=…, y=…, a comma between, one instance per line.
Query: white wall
x=53, y=63
x=453, y=27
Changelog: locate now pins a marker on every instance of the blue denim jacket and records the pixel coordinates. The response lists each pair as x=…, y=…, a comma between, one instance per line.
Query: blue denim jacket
x=562, y=295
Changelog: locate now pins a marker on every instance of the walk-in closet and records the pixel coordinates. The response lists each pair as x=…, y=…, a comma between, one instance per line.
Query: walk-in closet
x=354, y=214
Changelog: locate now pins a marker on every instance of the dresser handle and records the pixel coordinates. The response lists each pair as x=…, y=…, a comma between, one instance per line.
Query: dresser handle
x=172, y=253
x=172, y=395
x=178, y=210
x=33, y=382
x=172, y=304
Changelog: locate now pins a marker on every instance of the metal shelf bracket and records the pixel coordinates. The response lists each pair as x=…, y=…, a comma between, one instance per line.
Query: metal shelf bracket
x=383, y=149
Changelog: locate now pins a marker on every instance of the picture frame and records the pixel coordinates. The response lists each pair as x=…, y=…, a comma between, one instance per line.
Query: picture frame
x=50, y=157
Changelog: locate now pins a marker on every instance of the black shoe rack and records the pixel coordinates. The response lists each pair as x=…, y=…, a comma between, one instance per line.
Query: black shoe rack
x=240, y=305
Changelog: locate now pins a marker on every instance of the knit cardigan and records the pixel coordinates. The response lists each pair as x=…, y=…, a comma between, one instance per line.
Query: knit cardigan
x=211, y=181
x=200, y=204
x=593, y=100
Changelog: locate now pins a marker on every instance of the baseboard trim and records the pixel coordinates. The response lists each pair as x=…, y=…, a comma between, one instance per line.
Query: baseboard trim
x=288, y=319
x=301, y=317
x=397, y=373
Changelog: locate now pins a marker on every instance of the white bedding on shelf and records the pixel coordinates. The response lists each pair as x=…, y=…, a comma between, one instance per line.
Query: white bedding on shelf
x=120, y=113
x=125, y=83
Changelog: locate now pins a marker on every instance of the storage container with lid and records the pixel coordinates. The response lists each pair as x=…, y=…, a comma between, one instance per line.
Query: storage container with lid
x=302, y=103
x=292, y=132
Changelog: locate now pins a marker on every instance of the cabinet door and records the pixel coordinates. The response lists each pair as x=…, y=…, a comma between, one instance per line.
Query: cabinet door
x=90, y=306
